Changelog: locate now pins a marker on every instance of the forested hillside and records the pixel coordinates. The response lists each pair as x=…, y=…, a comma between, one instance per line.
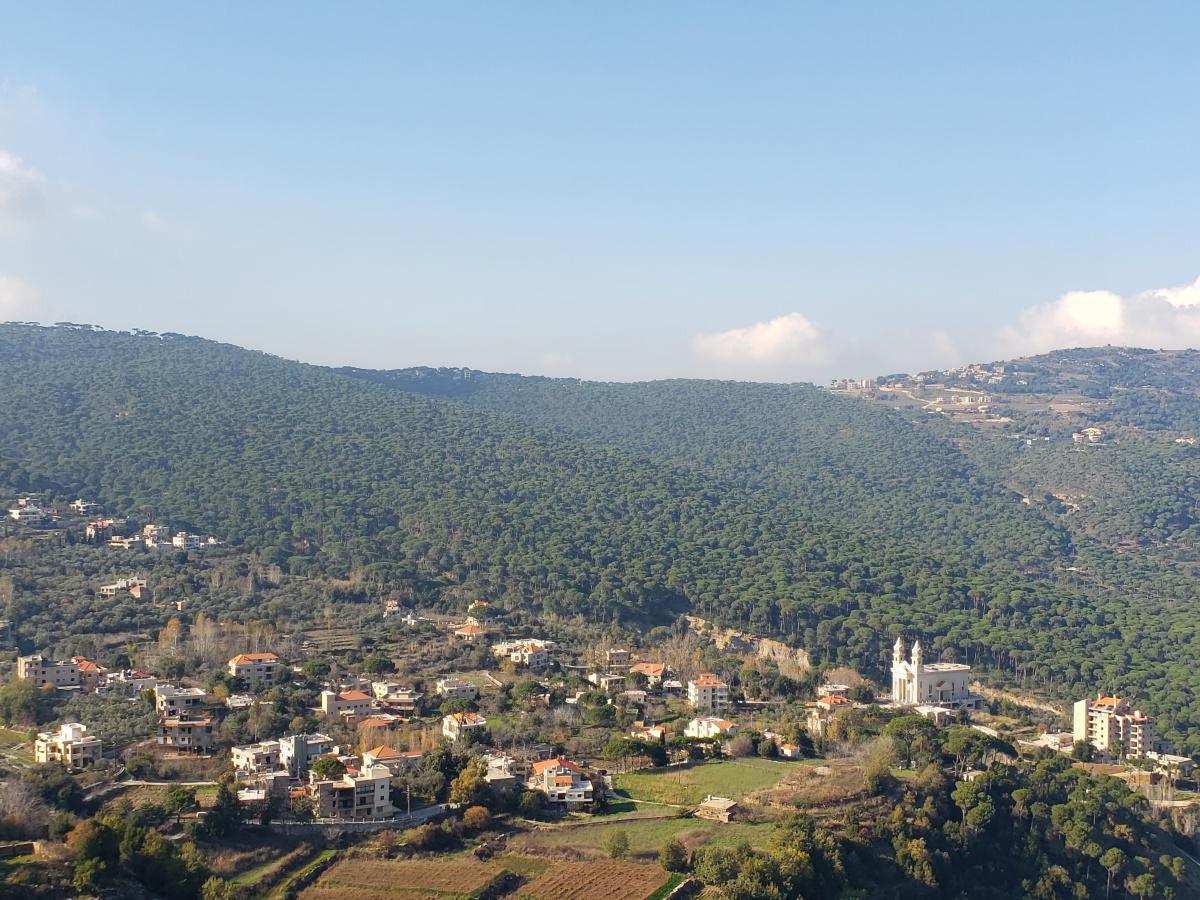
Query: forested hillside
x=828, y=521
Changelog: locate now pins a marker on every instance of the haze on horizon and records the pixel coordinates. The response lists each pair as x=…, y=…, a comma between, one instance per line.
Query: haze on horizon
x=616, y=193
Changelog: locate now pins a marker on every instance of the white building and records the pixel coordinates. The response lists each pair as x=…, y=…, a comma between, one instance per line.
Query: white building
x=459, y=725
x=174, y=701
x=709, y=727
x=707, y=691
x=297, y=751
x=27, y=515
x=562, y=782
x=185, y=541
x=456, y=689
x=532, y=653
x=255, y=758
x=917, y=683
x=71, y=745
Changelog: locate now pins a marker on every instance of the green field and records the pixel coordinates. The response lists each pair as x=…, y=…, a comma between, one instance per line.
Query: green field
x=646, y=836
x=689, y=786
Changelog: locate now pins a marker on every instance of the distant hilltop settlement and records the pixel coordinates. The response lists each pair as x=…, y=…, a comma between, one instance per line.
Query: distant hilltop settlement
x=30, y=511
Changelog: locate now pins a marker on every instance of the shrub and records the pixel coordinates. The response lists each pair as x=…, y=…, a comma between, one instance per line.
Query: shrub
x=617, y=844
x=477, y=818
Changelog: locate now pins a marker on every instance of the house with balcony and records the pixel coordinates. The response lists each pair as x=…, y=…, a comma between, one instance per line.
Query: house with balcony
x=172, y=701
x=346, y=703
x=707, y=691
x=255, y=759
x=709, y=727
x=253, y=668
x=186, y=732
x=362, y=795
x=456, y=688
x=297, y=751
x=70, y=746
x=563, y=783
x=42, y=672
x=461, y=725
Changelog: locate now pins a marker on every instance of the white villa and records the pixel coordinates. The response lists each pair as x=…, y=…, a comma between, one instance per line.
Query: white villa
x=71, y=745
x=918, y=683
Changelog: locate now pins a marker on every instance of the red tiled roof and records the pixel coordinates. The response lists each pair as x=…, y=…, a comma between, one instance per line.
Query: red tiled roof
x=242, y=658
x=561, y=762
x=352, y=696
x=382, y=752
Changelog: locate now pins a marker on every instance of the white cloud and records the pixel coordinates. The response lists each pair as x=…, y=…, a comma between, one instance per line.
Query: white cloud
x=20, y=189
x=151, y=219
x=1167, y=318
x=790, y=338
x=18, y=299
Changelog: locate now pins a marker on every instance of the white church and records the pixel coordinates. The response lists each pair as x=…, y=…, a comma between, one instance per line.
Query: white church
x=918, y=683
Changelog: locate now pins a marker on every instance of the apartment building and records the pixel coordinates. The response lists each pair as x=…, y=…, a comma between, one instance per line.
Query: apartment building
x=43, y=672
x=356, y=795
x=297, y=751
x=254, y=667
x=185, y=732
x=707, y=691
x=1112, y=726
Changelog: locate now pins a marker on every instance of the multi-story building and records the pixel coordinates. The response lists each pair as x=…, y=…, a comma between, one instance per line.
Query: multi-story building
x=297, y=751
x=42, y=671
x=254, y=667
x=1112, y=726
x=185, y=732
x=397, y=697
x=710, y=727
x=71, y=746
x=171, y=701
x=456, y=689
x=532, y=653
x=396, y=760
x=562, y=782
x=254, y=759
x=917, y=683
x=133, y=679
x=616, y=659
x=460, y=725
x=346, y=703
x=28, y=515
x=707, y=691
x=363, y=795
x=184, y=541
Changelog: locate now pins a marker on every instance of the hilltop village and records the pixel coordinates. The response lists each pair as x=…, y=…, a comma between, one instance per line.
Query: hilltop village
x=481, y=729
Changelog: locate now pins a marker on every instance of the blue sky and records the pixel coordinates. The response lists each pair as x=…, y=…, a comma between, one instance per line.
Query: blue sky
x=781, y=191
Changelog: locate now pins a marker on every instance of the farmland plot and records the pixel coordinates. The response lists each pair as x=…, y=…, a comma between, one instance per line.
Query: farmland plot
x=377, y=879
x=606, y=880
